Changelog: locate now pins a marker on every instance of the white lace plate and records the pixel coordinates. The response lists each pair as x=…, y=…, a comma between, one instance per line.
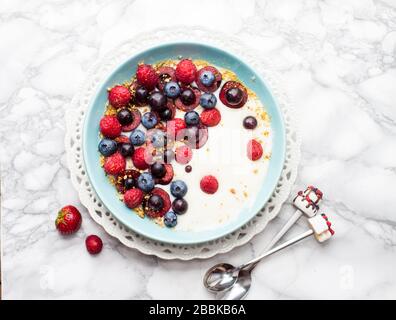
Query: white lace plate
x=88, y=196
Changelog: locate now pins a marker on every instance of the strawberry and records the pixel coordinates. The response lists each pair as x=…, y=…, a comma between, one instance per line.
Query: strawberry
x=133, y=198
x=210, y=117
x=110, y=127
x=119, y=96
x=147, y=76
x=174, y=127
x=68, y=220
x=186, y=71
x=183, y=154
x=141, y=159
x=94, y=244
x=115, y=164
x=254, y=150
x=209, y=184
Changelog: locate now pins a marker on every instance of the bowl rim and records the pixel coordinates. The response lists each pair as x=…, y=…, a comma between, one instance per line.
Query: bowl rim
x=228, y=228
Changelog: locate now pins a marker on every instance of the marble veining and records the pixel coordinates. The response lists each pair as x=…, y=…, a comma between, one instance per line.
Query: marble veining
x=338, y=64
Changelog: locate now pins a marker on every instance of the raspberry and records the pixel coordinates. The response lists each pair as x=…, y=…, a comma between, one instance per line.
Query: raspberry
x=173, y=127
x=147, y=76
x=209, y=184
x=133, y=198
x=254, y=150
x=115, y=164
x=210, y=117
x=183, y=154
x=140, y=158
x=186, y=71
x=119, y=96
x=110, y=127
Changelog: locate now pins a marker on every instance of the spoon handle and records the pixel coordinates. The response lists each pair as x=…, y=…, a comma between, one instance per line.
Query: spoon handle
x=280, y=247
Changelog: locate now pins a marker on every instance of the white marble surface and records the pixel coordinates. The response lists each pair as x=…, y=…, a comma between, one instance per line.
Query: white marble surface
x=338, y=63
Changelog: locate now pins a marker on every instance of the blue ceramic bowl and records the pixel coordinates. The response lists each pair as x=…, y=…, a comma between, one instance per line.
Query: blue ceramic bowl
x=107, y=192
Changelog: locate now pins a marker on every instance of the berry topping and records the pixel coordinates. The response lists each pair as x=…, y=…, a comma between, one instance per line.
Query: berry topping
x=207, y=78
x=107, y=147
x=155, y=203
x=233, y=94
x=166, y=74
x=188, y=169
x=191, y=118
x=129, y=183
x=254, y=150
x=94, y=244
x=158, y=170
x=250, y=122
x=168, y=156
x=137, y=137
x=186, y=71
x=157, y=137
x=211, y=117
x=183, y=154
x=188, y=100
x=208, y=101
x=157, y=101
x=140, y=158
x=119, y=96
x=121, y=139
x=110, y=127
x=209, y=184
x=136, y=117
x=145, y=182
x=133, y=198
x=187, y=97
x=166, y=200
x=126, y=180
x=172, y=89
x=178, y=188
x=170, y=219
x=115, y=164
x=141, y=95
x=173, y=127
x=127, y=149
x=216, y=83
x=166, y=114
x=124, y=117
x=179, y=206
x=196, y=136
x=146, y=76
x=149, y=120
x=167, y=178
x=68, y=220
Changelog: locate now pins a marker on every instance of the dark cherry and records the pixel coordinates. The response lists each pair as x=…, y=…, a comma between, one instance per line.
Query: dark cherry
x=158, y=170
x=157, y=100
x=188, y=169
x=125, y=117
x=187, y=97
x=234, y=96
x=127, y=149
x=179, y=206
x=129, y=183
x=168, y=156
x=166, y=114
x=250, y=122
x=155, y=202
x=141, y=95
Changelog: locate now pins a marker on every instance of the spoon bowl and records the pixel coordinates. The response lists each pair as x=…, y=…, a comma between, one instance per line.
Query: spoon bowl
x=240, y=288
x=220, y=277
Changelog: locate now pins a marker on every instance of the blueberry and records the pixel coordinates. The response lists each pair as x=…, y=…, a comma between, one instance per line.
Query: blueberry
x=170, y=219
x=125, y=117
x=207, y=78
x=107, y=147
x=179, y=206
x=250, y=122
x=141, y=95
x=127, y=149
x=165, y=114
x=208, y=100
x=172, y=89
x=158, y=170
x=187, y=97
x=145, y=182
x=149, y=120
x=129, y=183
x=157, y=100
x=158, y=139
x=191, y=118
x=168, y=155
x=178, y=188
x=234, y=96
x=155, y=202
x=137, y=137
